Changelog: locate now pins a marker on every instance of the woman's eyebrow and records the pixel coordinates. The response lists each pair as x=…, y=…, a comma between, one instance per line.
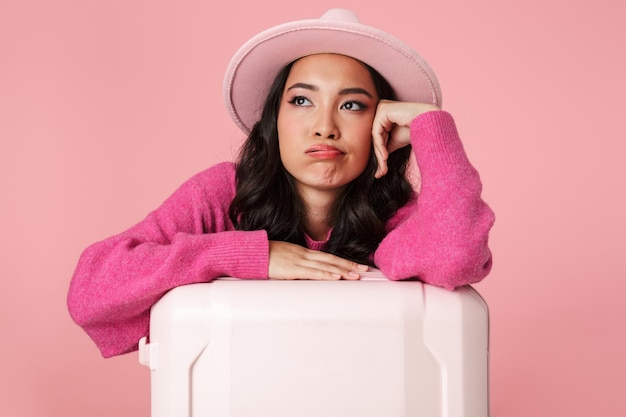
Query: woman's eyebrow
x=343, y=92
x=305, y=86
x=355, y=90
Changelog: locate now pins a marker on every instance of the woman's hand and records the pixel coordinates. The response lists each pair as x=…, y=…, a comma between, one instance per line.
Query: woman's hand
x=290, y=261
x=391, y=128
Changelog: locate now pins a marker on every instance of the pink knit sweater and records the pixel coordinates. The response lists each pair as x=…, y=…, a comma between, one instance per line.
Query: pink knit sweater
x=440, y=238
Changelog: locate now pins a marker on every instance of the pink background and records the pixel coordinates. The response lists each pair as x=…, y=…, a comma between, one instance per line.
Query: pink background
x=107, y=106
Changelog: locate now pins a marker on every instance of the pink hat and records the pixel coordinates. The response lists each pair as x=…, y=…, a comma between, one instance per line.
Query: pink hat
x=255, y=65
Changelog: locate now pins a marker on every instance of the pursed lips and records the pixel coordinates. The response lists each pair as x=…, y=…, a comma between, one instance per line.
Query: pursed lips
x=321, y=151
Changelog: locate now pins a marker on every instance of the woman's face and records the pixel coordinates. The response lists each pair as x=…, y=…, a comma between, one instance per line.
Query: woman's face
x=325, y=121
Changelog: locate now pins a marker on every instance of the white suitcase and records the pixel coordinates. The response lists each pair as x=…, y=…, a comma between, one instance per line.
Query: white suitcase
x=368, y=348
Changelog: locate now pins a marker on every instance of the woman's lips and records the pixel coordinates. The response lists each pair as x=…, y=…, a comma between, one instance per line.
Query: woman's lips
x=323, y=152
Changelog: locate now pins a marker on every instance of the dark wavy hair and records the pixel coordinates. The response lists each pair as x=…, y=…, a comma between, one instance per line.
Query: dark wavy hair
x=266, y=197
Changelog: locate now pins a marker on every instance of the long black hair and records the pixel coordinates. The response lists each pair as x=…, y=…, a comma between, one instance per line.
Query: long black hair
x=266, y=197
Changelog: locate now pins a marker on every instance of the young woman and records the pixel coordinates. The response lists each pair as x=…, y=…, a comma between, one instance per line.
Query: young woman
x=333, y=110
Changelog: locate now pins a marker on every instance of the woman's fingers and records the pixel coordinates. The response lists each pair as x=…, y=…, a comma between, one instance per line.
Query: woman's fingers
x=316, y=261
x=379, y=141
x=381, y=129
x=290, y=261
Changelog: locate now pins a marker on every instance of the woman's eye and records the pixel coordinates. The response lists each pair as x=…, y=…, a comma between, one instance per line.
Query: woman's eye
x=353, y=106
x=300, y=101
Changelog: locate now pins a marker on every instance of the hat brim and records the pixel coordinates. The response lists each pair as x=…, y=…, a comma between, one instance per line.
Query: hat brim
x=255, y=65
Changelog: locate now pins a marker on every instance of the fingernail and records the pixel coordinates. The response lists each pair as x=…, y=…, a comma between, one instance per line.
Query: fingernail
x=362, y=267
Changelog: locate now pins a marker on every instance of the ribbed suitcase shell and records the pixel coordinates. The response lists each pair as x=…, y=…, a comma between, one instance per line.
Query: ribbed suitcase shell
x=368, y=348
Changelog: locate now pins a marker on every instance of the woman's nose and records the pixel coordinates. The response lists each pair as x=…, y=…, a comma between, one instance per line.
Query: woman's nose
x=325, y=126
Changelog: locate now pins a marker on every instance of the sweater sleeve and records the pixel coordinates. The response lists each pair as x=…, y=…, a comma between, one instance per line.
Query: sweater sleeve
x=440, y=236
x=188, y=239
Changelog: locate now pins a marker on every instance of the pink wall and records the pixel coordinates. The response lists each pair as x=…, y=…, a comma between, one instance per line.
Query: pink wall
x=106, y=106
